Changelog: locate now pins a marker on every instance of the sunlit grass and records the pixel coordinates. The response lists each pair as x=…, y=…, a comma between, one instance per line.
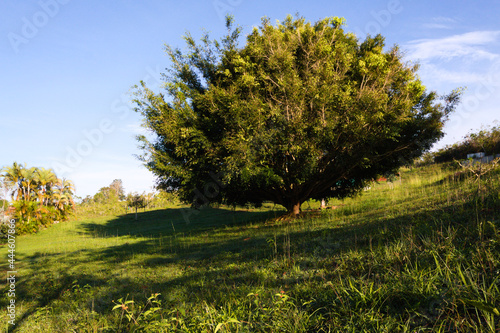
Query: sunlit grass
x=418, y=254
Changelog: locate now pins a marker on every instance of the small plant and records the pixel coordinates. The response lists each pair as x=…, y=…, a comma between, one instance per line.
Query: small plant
x=139, y=317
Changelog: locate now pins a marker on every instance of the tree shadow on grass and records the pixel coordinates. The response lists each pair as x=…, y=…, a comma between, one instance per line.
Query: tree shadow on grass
x=178, y=220
x=215, y=262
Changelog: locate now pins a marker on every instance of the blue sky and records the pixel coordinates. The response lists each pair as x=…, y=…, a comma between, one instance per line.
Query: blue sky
x=67, y=68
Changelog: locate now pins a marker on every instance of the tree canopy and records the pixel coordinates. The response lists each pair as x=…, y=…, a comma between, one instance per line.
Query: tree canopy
x=303, y=110
x=137, y=201
x=109, y=194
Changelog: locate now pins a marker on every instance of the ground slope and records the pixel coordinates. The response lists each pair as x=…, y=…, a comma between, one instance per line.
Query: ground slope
x=419, y=254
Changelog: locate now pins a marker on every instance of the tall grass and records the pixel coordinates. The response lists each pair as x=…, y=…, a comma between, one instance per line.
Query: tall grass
x=417, y=255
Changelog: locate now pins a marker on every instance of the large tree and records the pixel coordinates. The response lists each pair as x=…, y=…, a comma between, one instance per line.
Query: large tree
x=301, y=111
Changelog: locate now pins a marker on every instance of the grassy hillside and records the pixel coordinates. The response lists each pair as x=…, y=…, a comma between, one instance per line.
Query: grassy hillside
x=420, y=254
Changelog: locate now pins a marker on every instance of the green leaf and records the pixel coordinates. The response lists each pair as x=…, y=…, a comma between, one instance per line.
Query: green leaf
x=483, y=306
x=218, y=327
x=117, y=306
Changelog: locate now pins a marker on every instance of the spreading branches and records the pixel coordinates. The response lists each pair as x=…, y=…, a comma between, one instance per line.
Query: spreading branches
x=302, y=110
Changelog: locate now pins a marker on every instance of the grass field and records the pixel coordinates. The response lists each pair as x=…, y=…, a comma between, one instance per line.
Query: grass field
x=421, y=254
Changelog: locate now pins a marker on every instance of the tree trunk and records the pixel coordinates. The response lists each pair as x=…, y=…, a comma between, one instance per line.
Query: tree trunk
x=323, y=204
x=296, y=209
x=136, y=213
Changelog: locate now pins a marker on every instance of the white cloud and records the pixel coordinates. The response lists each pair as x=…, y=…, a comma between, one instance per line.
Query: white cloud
x=444, y=19
x=441, y=74
x=465, y=59
x=470, y=45
x=436, y=26
x=440, y=22
x=470, y=60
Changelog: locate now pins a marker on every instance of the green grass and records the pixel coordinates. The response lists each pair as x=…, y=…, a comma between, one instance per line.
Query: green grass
x=418, y=255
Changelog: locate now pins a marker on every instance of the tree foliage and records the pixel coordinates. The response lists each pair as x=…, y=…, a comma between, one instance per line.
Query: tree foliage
x=136, y=200
x=301, y=111
x=39, y=196
x=486, y=140
x=108, y=194
x=117, y=186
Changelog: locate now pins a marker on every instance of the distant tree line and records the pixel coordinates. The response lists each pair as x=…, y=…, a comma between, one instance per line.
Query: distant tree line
x=109, y=194
x=486, y=140
x=112, y=200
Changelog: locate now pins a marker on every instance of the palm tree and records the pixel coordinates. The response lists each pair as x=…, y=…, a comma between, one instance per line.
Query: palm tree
x=62, y=195
x=28, y=182
x=45, y=179
x=12, y=176
x=61, y=200
x=67, y=187
x=22, y=181
x=33, y=190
